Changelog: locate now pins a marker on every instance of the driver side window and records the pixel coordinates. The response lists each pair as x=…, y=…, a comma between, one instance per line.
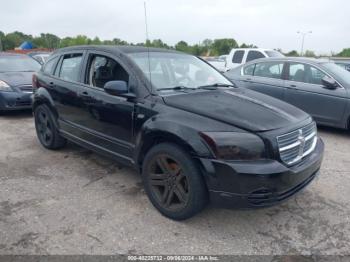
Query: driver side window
x=102, y=69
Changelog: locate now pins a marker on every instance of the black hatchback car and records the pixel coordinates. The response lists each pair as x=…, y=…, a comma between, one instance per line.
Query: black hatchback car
x=319, y=87
x=16, y=71
x=179, y=122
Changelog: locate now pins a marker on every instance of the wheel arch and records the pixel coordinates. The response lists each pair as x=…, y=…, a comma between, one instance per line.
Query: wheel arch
x=42, y=96
x=183, y=136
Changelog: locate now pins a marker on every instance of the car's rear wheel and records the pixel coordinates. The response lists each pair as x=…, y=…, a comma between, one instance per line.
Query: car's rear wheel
x=46, y=129
x=173, y=182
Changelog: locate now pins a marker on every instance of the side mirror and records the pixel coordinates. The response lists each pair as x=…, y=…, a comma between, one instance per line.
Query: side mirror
x=329, y=83
x=118, y=88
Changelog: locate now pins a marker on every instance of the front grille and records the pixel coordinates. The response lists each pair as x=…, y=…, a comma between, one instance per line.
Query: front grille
x=26, y=88
x=296, y=145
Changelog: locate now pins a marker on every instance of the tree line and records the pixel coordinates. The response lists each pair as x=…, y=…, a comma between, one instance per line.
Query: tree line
x=208, y=47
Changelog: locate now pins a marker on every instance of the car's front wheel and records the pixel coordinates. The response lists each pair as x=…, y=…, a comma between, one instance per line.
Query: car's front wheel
x=173, y=182
x=46, y=129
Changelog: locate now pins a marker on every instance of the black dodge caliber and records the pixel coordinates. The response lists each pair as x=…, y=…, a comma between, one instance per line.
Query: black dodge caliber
x=193, y=136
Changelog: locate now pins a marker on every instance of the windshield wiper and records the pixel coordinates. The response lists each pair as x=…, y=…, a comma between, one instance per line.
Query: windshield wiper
x=215, y=86
x=177, y=88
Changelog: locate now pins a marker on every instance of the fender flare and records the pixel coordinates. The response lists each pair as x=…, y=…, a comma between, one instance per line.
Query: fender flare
x=157, y=130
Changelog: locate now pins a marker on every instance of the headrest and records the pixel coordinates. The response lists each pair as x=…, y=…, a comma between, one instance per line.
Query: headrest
x=103, y=73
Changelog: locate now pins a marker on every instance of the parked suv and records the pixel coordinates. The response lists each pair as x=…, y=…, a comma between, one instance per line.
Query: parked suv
x=179, y=122
x=320, y=88
x=240, y=56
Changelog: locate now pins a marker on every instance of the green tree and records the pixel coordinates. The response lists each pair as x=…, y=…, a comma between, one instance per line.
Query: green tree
x=292, y=53
x=46, y=41
x=2, y=36
x=15, y=39
x=67, y=41
x=345, y=52
x=309, y=53
x=183, y=47
x=95, y=41
x=244, y=45
x=223, y=46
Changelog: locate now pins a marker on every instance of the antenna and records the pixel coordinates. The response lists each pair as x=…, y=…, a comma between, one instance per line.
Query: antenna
x=147, y=41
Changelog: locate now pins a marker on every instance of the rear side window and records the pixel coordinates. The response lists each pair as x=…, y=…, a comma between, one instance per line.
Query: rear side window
x=252, y=55
x=238, y=57
x=269, y=69
x=249, y=70
x=70, y=68
x=50, y=66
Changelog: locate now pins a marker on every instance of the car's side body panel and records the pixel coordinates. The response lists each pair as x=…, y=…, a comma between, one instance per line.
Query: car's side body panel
x=327, y=106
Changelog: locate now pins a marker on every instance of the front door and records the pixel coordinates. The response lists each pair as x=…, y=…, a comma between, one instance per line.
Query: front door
x=106, y=120
x=306, y=91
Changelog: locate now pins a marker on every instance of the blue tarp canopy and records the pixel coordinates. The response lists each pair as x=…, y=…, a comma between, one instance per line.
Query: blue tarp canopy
x=26, y=45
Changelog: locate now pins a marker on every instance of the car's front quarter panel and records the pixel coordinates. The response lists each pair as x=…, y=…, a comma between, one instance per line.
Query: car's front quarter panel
x=166, y=123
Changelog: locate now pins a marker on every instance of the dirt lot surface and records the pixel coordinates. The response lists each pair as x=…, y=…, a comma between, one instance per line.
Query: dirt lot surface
x=73, y=201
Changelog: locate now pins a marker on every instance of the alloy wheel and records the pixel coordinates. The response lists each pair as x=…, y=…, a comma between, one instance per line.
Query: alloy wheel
x=45, y=129
x=168, y=183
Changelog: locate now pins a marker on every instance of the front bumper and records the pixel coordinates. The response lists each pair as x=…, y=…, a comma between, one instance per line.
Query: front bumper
x=251, y=184
x=15, y=101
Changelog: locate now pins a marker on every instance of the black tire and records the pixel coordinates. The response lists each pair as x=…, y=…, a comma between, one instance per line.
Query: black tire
x=46, y=128
x=183, y=173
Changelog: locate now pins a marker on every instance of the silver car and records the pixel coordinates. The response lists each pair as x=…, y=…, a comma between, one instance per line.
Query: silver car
x=320, y=88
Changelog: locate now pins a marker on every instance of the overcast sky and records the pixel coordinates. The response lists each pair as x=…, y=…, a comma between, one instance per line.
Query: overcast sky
x=265, y=23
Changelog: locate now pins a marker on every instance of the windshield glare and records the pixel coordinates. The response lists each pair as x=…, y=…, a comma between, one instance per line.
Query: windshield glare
x=273, y=54
x=168, y=70
x=18, y=64
x=338, y=72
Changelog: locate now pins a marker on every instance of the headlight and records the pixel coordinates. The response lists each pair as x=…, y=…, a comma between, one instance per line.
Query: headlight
x=5, y=87
x=234, y=146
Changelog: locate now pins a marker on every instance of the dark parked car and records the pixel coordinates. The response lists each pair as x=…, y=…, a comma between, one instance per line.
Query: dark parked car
x=179, y=122
x=320, y=88
x=16, y=73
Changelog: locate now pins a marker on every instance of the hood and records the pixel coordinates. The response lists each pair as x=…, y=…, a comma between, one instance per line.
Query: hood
x=17, y=78
x=240, y=107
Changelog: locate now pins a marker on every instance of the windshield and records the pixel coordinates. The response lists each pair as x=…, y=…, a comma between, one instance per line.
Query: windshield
x=169, y=70
x=273, y=54
x=338, y=72
x=14, y=63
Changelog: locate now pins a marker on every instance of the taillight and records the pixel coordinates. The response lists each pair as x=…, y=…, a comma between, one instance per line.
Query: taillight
x=35, y=83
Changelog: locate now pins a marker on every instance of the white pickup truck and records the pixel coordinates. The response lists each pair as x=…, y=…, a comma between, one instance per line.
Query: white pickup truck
x=239, y=56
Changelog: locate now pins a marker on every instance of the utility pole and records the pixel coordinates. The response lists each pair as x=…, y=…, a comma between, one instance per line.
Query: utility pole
x=303, y=34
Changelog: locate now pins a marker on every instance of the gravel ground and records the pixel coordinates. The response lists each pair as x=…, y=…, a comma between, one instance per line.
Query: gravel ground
x=73, y=201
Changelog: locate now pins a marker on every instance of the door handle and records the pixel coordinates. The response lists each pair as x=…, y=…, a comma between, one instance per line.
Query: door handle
x=85, y=93
x=293, y=86
x=51, y=84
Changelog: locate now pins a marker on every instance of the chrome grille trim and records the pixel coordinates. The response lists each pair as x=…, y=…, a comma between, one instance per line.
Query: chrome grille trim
x=296, y=145
x=26, y=88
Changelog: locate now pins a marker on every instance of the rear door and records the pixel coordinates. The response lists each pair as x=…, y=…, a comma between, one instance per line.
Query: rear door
x=305, y=90
x=63, y=86
x=264, y=77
